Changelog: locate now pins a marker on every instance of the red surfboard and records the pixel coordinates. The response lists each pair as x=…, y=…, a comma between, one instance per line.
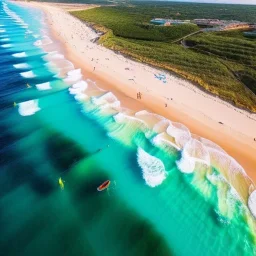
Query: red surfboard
x=104, y=185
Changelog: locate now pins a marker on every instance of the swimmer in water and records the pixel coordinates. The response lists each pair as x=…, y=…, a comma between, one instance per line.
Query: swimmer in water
x=14, y=104
x=28, y=86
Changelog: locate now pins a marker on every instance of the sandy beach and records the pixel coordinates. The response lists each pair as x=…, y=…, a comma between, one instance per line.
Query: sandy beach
x=178, y=100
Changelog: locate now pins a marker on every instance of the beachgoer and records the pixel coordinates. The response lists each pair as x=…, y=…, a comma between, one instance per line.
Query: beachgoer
x=165, y=105
x=93, y=68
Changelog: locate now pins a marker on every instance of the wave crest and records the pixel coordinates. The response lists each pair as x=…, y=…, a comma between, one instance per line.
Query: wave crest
x=152, y=168
x=107, y=100
x=180, y=132
x=28, y=108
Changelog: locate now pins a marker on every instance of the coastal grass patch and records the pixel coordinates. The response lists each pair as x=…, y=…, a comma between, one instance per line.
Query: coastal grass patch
x=222, y=64
x=227, y=46
x=135, y=26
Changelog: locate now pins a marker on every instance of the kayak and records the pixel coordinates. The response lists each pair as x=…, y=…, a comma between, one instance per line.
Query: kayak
x=104, y=185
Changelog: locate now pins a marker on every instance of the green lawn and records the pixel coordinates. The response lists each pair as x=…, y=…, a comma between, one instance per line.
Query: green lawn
x=222, y=63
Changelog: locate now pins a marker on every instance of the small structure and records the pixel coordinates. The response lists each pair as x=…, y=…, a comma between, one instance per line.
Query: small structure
x=168, y=22
x=251, y=34
x=158, y=21
x=208, y=22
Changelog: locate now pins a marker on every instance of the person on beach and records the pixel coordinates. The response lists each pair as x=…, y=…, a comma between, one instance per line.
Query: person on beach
x=93, y=68
x=139, y=95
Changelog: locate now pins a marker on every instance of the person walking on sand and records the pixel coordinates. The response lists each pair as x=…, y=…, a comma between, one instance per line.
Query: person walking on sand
x=93, y=68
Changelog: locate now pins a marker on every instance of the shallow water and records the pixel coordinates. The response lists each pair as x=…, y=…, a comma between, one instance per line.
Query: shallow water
x=151, y=207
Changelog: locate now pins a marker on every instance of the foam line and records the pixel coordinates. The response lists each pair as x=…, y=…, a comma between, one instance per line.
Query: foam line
x=28, y=74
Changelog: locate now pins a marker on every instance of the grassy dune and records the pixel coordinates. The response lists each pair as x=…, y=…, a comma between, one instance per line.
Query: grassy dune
x=222, y=63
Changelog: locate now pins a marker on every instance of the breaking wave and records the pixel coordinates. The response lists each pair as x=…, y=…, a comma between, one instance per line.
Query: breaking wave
x=162, y=141
x=107, y=100
x=193, y=152
x=152, y=168
x=43, y=86
x=28, y=74
x=179, y=132
x=45, y=41
x=54, y=56
x=19, y=55
x=5, y=39
x=73, y=76
x=252, y=203
x=21, y=66
x=28, y=108
x=6, y=45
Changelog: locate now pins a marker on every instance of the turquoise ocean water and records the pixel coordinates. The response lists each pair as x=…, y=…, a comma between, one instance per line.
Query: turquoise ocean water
x=154, y=206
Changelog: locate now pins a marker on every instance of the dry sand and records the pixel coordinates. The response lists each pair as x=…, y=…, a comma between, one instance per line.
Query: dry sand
x=199, y=111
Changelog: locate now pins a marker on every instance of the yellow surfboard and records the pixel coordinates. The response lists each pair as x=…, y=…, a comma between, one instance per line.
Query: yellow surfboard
x=61, y=183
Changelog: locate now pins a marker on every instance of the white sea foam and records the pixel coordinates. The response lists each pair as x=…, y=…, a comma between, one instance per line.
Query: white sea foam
x=125, y=119
x=78, y=87
x=152, y=168
x=44, y=41
x=210, y=144
x=28, y=108
x=43, y=86
x=180, y=132
x=252, y=203
x=21, y=66
x=161, y=126
x=193, y=152
x=19, y=55
x=2, y=30
x=73, y=76
x=107, y=100
x=225, y=163
x=6, y=45
x=5, y=39
x=81, y=96
x=150, y=118
x=28, y=74
x=37, y=43
x=160, y=141
x=55, y=56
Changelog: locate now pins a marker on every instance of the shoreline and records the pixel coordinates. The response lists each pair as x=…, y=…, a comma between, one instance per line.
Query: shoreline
x=241, y=147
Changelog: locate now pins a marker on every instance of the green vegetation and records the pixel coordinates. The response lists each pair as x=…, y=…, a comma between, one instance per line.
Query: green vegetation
x=222, y=63
x=135, y=26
